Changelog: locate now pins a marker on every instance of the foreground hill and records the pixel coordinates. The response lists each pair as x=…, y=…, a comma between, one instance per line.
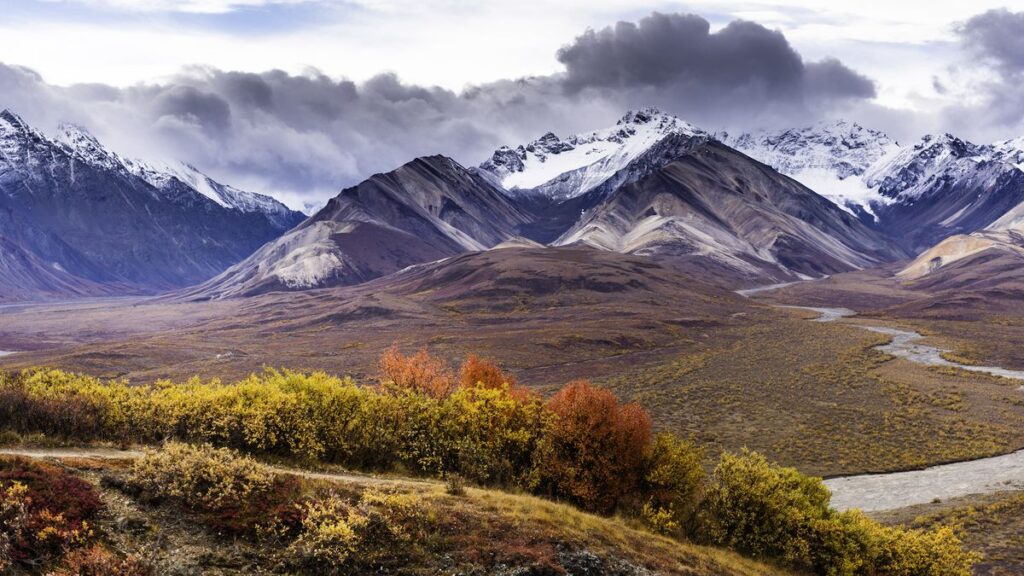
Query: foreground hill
x=78, y=220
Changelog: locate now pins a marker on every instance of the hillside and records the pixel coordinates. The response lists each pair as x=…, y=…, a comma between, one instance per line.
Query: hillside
x=482, y=531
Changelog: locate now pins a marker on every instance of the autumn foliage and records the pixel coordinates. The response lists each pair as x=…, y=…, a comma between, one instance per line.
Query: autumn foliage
x=583, y=446
x=484, y=372
x=420, y=372
x=596, y=446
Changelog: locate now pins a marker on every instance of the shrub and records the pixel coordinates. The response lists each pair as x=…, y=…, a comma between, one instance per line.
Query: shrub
x=672, y=483
x=595, y=447
x=328, y=537
x=236, y=493
x=490, y=435
x=203, y=476
x=50, y=488
x=454, y=484
x=484, y=372
x=765, y=510
x=376, y=532
x=97, y=561
x=420, y=372
x=762, y=509
x=30, y=532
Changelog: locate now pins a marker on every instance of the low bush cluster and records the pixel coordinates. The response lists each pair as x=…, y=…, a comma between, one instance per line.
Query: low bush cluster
x=476, y=424
x=377, y=531
x=98, y=561
x=767, y=511
x=236, y=493
x=44, y=513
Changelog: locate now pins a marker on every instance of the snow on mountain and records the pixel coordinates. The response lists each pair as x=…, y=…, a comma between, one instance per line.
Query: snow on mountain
x=565, y=169
x=166, y=175
x=832, y=158
x=717, y=204
x=908, y=175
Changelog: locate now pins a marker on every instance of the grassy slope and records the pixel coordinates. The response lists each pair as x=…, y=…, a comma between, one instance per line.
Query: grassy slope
x=484, y=531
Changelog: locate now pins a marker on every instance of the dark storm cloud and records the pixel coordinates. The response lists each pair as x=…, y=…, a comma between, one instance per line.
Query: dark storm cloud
x=679, y=53
x=997, y=35
x=996, y=39
x=307, y=135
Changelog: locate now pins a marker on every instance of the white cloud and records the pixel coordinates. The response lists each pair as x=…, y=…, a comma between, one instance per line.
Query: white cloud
x=186, y=6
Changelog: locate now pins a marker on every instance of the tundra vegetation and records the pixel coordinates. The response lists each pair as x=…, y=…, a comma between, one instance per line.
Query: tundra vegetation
x=475, y=425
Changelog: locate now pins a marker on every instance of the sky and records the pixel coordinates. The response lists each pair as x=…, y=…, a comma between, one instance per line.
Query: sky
x=299, y=98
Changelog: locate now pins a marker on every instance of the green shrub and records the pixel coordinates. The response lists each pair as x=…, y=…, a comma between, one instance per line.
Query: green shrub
x=768, y=511
x=672, y=484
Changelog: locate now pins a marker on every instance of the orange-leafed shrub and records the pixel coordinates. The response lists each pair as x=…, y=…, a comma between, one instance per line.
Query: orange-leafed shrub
x=596, y=447
x=477, y=371
x=483, y=371
x=97, y=561
x=420, y=372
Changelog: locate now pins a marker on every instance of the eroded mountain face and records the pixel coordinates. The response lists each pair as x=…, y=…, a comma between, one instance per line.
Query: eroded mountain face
x=426, y=210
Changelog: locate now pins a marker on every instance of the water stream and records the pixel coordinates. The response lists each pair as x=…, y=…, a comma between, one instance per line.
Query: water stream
x=873, y=492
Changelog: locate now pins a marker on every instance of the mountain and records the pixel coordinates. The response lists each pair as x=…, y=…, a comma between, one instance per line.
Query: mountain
x=918, y=195
x=426, y=210
x=650, y=185
x=831, y=158
x=715, y=202
x=76, y=220
x=173, y=178
x=944, y=186
x=550, y=167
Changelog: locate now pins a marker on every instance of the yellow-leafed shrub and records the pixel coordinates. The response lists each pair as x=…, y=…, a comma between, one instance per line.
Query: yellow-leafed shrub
x=203, y=476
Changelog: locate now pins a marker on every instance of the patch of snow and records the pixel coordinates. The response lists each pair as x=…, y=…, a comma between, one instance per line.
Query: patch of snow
x=584, y=161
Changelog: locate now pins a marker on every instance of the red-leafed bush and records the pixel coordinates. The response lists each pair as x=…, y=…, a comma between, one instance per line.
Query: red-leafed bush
x=484, y=372
x=53, y=489
x=420, y=372
x=477, y=371
x=596, y=447
x=44, y=513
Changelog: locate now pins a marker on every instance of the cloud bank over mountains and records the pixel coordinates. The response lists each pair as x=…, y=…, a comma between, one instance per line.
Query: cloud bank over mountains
x=303, y=136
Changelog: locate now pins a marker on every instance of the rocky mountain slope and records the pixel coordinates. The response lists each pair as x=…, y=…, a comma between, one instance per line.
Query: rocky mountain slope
x=717, y=203
x=78, y=220
x=428, y=209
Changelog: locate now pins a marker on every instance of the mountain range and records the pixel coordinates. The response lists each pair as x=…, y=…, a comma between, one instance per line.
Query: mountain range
x=754, y=208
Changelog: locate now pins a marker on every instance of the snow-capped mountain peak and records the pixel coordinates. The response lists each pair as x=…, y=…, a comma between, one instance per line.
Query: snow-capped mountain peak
x=829, y=157
x=566, y=168
x=167, y=176
x=81, y=143
x=907, y=174
x=21, y=146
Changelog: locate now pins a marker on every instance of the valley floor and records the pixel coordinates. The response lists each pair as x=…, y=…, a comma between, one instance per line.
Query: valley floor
x=728, y=370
